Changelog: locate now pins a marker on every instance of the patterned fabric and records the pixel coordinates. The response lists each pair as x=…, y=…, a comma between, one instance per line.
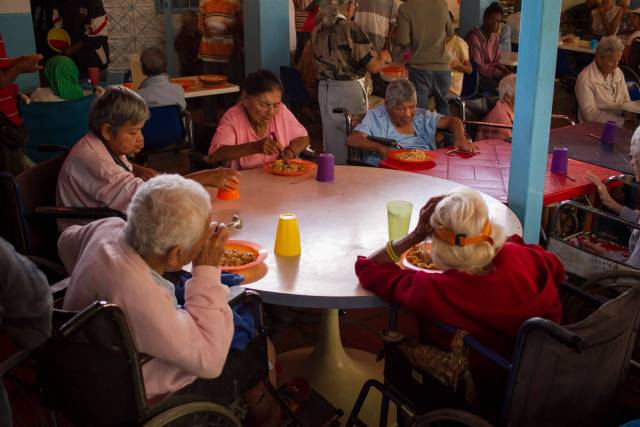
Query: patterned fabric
x=62, y=75
x=216, y=17
x=301, y=13
x=450, y=368
x=342, y=51
x=375, y=17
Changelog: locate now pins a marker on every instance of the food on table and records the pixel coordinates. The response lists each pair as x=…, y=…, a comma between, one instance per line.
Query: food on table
x=236, y=257
x=280, y=166
x=212, y=79
x=420, y=256
x=185, y=83
x=413, y=156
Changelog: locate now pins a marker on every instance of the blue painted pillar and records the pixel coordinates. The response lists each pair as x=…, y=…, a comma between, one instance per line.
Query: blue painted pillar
x=266, y=34
x=471, y=14
x=534, y=98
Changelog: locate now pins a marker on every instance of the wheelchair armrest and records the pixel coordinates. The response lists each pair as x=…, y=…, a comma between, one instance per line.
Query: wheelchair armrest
x=53, y=148
x=555, y=331
x=13, y=361
x=79, y=213
x=488, y=124
x=387, y=142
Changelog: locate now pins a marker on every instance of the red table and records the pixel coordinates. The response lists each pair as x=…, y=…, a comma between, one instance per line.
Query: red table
x=488, y=172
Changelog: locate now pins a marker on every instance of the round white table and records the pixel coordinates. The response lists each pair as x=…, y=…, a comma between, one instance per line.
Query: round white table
x=338, y=221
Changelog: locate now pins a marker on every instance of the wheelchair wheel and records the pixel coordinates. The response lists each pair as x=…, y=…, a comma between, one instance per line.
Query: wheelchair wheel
x=450, y=418
x=195, y=414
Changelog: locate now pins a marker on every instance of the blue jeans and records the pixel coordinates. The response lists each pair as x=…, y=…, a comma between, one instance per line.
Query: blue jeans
x=430, y=83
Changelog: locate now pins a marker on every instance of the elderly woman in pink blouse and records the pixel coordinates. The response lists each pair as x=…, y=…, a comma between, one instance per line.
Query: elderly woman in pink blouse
x=259, y=128
x=502, y=113
x=97, y=173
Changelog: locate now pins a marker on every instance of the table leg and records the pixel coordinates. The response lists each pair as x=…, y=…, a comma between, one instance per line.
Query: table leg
x=335, y=372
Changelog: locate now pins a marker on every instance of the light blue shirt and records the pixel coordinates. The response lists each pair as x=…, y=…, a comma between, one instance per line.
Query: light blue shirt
x=158, y=91
x=378, y=123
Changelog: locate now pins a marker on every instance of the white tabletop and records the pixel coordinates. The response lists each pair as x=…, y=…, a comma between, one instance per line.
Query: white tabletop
x=338, y=221
x=579, y=46
x=509, y=58
x=197, y=88
x=632, y=107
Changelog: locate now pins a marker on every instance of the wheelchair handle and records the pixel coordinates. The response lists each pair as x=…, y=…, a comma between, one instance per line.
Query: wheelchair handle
x=578, y=205
x=387, y=142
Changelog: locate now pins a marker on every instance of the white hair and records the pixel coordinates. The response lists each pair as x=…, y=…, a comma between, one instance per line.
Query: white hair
x=608, y=46
x=634, y=148
x=507, y=87
x=463, y=211
x=167, y=211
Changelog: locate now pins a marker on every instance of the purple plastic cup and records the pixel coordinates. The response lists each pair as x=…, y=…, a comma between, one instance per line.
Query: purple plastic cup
x=608, y=132
x=326, y=167
x=559, y=160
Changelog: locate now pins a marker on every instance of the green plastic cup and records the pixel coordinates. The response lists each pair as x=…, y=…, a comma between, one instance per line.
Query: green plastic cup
x=399, y=216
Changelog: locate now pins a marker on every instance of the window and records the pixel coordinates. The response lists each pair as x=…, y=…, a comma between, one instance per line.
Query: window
x=176, y=5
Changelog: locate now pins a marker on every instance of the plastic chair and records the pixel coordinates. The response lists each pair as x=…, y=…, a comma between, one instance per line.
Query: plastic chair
x=167, y=129
x=567, y=375
x=57, y=123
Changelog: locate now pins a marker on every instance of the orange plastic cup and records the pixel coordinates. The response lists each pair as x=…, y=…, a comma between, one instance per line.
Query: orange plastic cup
x=226, y=194
x=128, y=85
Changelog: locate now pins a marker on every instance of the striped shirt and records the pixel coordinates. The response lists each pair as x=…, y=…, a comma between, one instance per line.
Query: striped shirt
x=216, y=18
x=301, y=13
x=375, y=17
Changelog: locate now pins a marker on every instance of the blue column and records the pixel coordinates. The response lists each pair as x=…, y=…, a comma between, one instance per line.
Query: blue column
x=471, y=14
x=266, y=34
x=534, y=97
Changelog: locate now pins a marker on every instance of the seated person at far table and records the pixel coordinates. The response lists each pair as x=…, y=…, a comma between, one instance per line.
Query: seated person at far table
x=486, y=285
x=623, y=211
x=399, y=119
x=97, y=173
x=601, y=89
x=122, y=262
x=259, y=128
x=157, y=90
x=64, y=83
x=502, y=113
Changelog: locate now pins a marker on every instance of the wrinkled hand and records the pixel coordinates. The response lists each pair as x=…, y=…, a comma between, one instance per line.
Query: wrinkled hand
x=145, y=174
x=605, y=197
x=269, y=146
x=423, y=229
x=28, y=64
x=228, y=179
x=463, y=144
x=213, y=249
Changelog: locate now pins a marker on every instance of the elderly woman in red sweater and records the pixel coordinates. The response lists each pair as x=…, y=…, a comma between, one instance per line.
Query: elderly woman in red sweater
x=488, y=285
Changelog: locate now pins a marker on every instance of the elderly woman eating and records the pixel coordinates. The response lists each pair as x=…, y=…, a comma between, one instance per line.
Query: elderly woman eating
x=399, y=119
x=502, y=113
x=486, y=285
x=601, y=89
x=259, y=128
x=96, y=173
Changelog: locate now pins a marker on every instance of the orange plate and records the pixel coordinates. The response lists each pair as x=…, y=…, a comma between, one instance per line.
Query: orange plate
x=245, y=246
x=393, y=155
x=404, y=262
x=212, y=79
x=393, y=70
x=308, y=166
x=185, y=83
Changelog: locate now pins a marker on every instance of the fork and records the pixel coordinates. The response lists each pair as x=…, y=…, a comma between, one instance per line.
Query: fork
x=284, y=159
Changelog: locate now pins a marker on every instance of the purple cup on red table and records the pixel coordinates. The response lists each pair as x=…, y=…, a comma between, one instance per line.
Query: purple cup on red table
x=326, y=167
x=559, y=160
x=608, y=133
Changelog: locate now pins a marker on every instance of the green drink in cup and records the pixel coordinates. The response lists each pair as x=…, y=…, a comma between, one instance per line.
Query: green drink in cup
x=399, y=215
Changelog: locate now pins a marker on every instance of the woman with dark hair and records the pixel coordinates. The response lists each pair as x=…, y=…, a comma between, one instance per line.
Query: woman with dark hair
x=259, y=128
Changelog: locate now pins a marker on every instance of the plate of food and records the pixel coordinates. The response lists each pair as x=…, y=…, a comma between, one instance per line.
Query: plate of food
x=212, y=79
x=413, y=157
x=185, y=83
x=418, y=258
x=242, y=254
x=295, y=167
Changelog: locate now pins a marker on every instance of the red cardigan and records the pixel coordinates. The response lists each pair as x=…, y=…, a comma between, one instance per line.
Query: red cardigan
x=492, y=306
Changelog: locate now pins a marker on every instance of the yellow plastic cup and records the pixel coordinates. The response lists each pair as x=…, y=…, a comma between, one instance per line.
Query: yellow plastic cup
x=287, y=236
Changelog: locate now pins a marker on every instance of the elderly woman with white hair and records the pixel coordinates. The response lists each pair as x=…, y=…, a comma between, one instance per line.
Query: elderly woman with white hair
x=624, y=212
x=502, y=112
x=486, y=285
x=601, y=89
x=343, y=54
x=157, y=90
x=97, y=173
x=401, y=120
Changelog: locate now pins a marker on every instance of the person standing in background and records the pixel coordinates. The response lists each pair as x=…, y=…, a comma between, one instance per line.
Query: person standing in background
x=513, y=21
x=424, y=28
x=301, y=13
x=458, y=51
x=187, y=43
x=87, y=24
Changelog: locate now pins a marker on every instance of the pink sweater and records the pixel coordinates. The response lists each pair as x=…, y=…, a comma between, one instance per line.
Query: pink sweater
x=500, y=114
x=235, y=129
x=185, y=343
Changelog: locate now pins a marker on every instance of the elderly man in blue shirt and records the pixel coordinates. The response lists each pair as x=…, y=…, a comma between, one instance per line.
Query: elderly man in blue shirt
x=157, y=89
x=400, y=120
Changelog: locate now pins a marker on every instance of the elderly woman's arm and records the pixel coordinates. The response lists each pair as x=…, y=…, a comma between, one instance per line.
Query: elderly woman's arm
x=359, y=140
x=589, y=111
x=611, y=28
x=296, y=146
x=456, y=127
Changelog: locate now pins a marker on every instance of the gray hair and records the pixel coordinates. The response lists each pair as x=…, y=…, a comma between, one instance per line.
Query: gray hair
x=398, y=91
x=634, y=148
x=167, y=211
x=153, y=61
x=608, y=46
x=117, y=106
x=330, y=10
x=507, y=87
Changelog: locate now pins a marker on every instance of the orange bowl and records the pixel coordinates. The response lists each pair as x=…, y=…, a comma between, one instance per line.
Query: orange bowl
x=185, y=83
x=228, y=194
x=212, y=79
x=257, y=250
x=393, y=70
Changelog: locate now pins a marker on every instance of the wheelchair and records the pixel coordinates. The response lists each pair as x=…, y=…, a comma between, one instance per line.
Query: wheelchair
x=90, y=373
x=569, y=375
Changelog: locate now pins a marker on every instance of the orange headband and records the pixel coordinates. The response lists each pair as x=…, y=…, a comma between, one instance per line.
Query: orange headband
x=447, y=235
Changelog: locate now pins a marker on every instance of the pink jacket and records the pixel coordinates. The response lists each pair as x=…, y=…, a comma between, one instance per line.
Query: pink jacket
x=185, y=343
x=485, y=54
x=500, y=114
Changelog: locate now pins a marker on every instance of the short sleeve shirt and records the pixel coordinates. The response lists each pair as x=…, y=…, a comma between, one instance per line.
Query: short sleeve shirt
x=458, y=49
x=235, y=129
x=378, y=123
x=342, y=51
